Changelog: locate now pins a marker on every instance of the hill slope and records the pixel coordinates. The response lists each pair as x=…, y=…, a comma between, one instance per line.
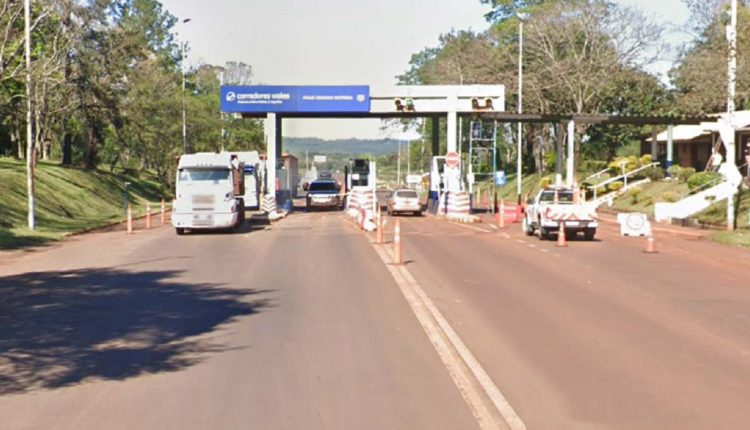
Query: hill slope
x=68, y=199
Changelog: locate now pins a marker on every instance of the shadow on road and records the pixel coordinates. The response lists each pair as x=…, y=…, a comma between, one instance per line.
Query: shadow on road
x=62, y=328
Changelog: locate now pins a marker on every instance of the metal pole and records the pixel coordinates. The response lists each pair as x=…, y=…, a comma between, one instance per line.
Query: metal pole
x=732, y=75
x=398, y=168
x=184, y=108
x=221, y=114
x=670, y=146
x=29, y=128
x=520, y=107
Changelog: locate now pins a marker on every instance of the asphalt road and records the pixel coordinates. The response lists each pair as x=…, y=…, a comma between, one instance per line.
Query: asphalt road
x=296, y=326
x=598, y=334
x=301, y=325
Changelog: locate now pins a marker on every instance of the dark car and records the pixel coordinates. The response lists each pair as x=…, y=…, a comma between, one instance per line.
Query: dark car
x=323, y=193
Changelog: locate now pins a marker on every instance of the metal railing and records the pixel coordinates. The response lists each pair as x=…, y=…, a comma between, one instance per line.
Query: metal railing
x=624, y=177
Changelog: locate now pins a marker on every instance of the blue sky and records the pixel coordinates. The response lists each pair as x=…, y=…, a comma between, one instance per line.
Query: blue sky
x=340, y=41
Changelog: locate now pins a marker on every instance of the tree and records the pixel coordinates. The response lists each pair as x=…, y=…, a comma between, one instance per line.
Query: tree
x=700, y=77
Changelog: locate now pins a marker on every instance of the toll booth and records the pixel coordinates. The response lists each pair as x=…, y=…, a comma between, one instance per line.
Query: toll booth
x=287, y=175
x=357, y=173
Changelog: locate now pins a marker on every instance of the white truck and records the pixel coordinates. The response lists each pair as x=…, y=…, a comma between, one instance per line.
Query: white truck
x=253, y=166
x=558, y=206
x=209, y=192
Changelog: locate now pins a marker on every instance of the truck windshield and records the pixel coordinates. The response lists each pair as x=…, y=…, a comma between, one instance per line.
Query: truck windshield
x=563, y=197
x=407, y=194
x=323, y=186
x=199, y=175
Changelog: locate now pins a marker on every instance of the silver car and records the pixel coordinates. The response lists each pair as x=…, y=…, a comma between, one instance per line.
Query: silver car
x=404, y=201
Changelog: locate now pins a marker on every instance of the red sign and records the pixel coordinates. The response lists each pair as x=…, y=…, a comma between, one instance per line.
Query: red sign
x=452, y=159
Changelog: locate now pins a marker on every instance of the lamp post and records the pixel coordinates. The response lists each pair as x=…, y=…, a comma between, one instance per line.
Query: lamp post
x=29, y=130
x=732, y=82
x=521, y=18
x=184, y=102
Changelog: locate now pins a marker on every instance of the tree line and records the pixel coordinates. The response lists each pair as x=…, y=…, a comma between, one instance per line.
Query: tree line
x=107, y=87
x=590, y=56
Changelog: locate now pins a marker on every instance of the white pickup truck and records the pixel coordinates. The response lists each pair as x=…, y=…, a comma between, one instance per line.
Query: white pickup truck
x=557, y=206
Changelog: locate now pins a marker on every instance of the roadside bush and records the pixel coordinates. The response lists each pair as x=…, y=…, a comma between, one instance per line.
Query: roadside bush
x=593, y=166
x=655, y=173
x=700, y=179
x=646, y=159
x=634, y=195
x=674, y=171
x=669, y=197
x=647, y=200
x=685, y=173
x=615, y=186
x=616, y=165
x=546, y=182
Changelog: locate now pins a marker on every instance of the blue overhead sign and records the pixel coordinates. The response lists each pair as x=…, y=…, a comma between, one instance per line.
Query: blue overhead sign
x=291, y=99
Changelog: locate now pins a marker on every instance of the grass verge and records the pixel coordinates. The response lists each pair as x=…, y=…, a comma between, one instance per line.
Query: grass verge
x=68, y=200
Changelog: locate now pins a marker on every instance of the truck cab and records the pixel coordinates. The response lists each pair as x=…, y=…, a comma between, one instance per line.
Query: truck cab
x=208, y=192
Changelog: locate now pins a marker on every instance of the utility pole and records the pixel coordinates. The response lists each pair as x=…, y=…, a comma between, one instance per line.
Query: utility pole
x=521, y=18
x=731, y=86
x=30, y=159
x=221, y=114
x=184, y=102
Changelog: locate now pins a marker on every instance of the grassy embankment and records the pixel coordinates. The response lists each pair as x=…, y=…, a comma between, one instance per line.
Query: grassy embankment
x=68, y=200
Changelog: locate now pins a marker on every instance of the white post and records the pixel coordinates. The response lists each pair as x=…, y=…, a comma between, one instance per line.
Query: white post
x=270, y=130
x=670, y=146
x=570, y=162
x=451, y=125
x=732, y=82
x=29, y=129
x=519, y=165
x=398, y=166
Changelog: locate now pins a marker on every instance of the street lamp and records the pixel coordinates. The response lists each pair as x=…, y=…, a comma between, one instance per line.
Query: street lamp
x=184, y=107
x=731, y=87
x=29, y=130
x=521, y=18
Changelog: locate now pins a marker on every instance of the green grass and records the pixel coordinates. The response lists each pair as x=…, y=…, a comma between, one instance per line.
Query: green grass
x=652, y=192
x=68, y=200
x=739, y=238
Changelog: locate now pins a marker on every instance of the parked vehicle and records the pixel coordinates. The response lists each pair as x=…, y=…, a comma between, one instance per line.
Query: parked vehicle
x=323, y=193
x=253, y=172
x=209, y=192
x=402, y=201
x=558, y=206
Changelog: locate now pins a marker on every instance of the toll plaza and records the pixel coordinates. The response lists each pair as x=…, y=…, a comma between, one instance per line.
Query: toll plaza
x=276, y=103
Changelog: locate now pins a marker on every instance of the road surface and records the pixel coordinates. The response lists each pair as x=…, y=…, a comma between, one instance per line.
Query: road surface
x=302, y=324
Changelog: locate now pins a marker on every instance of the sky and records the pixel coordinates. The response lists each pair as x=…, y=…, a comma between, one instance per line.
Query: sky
x=340, y=42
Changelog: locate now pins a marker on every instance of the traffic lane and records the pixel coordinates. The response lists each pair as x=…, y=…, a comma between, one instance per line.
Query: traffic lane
x=583, y=349
x=304, y=328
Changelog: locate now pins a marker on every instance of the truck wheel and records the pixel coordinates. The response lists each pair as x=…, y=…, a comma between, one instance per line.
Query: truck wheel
x=180, y=231
x=526, y=227
x=543, y=233
x=589, y=234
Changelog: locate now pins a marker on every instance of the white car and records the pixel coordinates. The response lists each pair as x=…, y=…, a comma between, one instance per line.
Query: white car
x=404, y=201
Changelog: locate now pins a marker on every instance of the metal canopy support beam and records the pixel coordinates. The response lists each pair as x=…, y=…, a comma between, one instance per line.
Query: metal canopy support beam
x=559, y=150
x=271, y=147
x=435, y=136
x=571, y=153
x=451, y=129
x=670, y=146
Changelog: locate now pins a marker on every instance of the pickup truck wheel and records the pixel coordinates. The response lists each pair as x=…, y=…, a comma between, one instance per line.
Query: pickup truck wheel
x=543, y=233
x=180, y=231
x=526, y=227
x=589, y=234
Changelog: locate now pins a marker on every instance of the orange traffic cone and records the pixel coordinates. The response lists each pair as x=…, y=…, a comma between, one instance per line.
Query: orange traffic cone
x=650, y=245
x=561, y=241
x=130, y=220
x=501, y=215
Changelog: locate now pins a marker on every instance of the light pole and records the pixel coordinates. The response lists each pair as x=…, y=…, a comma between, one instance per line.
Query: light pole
x=184, y=102
x=521, y=18
x=29, y=130
x=732, y=82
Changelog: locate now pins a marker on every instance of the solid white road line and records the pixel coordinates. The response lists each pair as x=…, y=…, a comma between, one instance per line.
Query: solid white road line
x=459, y=361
